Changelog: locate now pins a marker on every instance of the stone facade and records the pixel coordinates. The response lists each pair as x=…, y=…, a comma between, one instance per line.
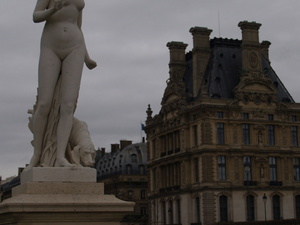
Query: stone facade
x=225, y=144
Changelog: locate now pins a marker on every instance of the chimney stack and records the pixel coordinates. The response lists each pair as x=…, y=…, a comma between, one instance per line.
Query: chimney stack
x=265, y=49
x=177, y=56
x=114, y=148
x=125, y=143
x=249, y=32
x=251, y=48
x=201, y=55
x=102, y=151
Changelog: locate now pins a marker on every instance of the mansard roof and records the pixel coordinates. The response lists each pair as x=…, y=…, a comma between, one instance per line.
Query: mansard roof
x=224, y=72
x=115, y=162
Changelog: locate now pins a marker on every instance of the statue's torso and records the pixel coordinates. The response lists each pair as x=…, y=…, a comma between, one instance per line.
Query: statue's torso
x=61, y=31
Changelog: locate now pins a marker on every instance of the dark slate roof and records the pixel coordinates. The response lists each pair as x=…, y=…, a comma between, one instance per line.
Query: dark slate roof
x=224, y=70
x=116, y=162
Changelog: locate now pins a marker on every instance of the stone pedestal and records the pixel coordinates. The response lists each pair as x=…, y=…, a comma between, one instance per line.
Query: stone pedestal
x=62, y=196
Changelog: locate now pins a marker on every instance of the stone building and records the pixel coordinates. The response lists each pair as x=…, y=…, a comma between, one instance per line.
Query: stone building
x=124, y=174
x=225, y=144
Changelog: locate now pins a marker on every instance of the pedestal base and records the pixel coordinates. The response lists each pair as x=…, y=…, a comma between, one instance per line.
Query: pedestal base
x=58, y=196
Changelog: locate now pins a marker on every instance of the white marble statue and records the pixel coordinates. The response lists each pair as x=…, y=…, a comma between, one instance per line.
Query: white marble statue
x=62, y=56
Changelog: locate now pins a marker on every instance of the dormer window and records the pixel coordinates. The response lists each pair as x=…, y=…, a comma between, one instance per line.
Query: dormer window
x=134, y=158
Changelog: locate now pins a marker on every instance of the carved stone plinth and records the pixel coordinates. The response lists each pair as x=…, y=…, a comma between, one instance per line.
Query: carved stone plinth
x=62, y=196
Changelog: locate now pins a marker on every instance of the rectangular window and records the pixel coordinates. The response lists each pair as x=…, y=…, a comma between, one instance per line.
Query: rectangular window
x=273, y=168
x=130, y=194
x=294, y=118
x=220, y=115
x=247, y=168
x=143, y=211
x=270, y=117
x=294, y=134
x=246, y=134
x=246, y=116
x=271, y=134
x=296, y=169
x=222, y=167
x=195, y=135
x=196, y=163
x=143, y=194
x=220, y=133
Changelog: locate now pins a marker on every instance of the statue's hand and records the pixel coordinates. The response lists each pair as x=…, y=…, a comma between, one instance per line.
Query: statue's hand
x=91, y=64
x=58, y=4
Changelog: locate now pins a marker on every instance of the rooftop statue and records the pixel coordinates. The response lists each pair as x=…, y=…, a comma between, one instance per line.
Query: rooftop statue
x=62, y=56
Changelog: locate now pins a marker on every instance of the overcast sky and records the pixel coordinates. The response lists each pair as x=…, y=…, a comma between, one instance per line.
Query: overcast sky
x=128, y=40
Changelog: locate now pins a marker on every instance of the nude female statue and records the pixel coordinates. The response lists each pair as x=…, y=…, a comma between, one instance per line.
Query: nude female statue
x=63, y=54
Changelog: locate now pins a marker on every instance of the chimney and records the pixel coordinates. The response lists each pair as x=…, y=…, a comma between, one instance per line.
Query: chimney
x=249, y=32
x=251, y=48
x=177, y=56
x=114, y=148
x=265, y=49
x=125, y=143
x=201, y=55
x=102, y=151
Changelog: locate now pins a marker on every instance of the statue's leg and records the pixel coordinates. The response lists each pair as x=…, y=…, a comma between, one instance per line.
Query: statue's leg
x=71, y=76
x=48, y=72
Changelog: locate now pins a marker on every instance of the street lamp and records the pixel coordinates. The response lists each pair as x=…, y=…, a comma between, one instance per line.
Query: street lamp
x=265, y=202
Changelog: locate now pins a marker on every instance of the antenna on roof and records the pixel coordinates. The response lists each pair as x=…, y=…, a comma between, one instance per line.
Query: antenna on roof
x=219, y=25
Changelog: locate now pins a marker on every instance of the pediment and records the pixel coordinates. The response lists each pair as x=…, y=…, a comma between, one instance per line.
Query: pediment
x=170, y=98
x=253, y=86
x=256, y=87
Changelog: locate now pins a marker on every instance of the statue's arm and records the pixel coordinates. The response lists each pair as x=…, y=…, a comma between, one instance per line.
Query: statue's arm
x=91, y=64
x=42, y=11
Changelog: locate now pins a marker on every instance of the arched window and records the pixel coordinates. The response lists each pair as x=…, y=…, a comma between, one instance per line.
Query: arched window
x=178, y=211
x=128, y=169
x=170, y=212
x=198, y=215
x=130, y=194
x=297, y=202
x=142, y=169
x=163, y=212
x=134, y=158
x=223, y=200
x=276, y=207
x=250, y=208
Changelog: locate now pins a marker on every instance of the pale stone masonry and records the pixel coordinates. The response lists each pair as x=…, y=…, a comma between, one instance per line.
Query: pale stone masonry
x=225, y=144
x=62, y=195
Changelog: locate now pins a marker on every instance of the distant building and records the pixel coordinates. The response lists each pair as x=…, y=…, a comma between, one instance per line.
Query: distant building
x=225, y=144
x=124, y=174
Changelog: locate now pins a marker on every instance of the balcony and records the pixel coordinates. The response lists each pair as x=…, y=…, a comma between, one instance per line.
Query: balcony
x=170, y=152
x=169, y=189
x=275, y=183
x=163, y=154
x=250, y=183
